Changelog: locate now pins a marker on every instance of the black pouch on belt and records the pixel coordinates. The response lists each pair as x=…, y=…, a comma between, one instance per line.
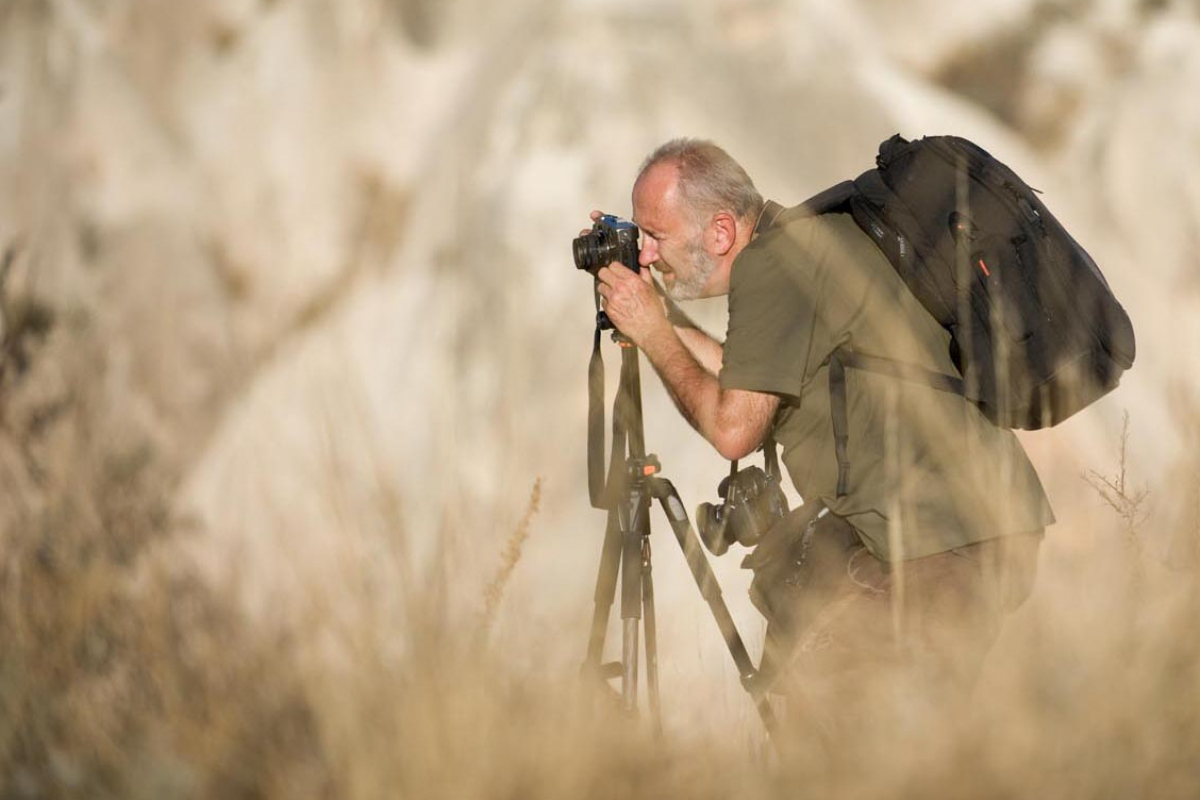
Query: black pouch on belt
x=797, y=567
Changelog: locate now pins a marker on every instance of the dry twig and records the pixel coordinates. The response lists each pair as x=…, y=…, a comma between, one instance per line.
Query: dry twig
x=1130, y=504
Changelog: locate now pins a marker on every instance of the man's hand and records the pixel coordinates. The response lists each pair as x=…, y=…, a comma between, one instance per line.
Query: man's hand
x=632, y=303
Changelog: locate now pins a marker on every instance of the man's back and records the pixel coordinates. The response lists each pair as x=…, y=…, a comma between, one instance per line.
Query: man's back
x=924, y=460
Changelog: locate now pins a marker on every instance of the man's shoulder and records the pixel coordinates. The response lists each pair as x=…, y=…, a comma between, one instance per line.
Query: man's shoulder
x=799, y=242
x=762, y=260
x=798, y=229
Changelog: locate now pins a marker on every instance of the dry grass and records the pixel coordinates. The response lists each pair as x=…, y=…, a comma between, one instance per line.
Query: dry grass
x=120, y=677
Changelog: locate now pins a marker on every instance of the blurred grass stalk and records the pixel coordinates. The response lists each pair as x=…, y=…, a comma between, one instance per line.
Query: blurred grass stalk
x=121, y=675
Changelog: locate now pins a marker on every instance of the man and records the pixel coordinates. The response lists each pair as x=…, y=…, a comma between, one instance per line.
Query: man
x=935, y=534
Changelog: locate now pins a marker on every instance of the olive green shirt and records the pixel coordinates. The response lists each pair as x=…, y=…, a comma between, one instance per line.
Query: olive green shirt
x=928, y=472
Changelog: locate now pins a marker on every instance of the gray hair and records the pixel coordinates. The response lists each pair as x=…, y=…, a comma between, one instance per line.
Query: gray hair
x=709, y=179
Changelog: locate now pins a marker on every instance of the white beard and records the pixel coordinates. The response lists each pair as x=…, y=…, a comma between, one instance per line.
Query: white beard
x=702, y=267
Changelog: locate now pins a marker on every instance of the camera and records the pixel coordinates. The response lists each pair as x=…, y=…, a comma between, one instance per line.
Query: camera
x=610, y=239
x=753, y=502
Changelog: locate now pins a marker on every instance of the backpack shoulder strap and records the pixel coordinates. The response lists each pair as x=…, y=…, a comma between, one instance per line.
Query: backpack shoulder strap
x=834, y=199
x=899, y=369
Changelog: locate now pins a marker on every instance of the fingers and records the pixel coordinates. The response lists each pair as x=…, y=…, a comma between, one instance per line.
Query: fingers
x=620, y=270
x=595, y=215
x=617, y=274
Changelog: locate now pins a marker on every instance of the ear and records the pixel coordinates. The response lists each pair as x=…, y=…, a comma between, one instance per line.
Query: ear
x=722, y=233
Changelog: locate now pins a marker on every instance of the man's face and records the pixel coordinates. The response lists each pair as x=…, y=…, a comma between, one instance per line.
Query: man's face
x=672, y=242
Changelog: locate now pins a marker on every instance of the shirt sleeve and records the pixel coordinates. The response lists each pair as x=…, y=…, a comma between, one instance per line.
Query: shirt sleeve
x=773, y=326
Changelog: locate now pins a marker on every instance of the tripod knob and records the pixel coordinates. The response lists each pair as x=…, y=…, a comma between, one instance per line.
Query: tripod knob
x=644, y=467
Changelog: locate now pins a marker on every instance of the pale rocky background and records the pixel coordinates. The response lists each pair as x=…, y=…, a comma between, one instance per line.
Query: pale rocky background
x=319, y=254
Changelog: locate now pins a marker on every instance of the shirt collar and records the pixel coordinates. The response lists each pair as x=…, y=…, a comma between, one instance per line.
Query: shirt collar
x=766, y=218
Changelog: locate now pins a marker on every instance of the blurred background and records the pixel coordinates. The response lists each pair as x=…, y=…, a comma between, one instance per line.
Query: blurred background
x=293, y=386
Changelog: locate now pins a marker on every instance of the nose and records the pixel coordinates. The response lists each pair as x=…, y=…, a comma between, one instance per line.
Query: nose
x=649, y=252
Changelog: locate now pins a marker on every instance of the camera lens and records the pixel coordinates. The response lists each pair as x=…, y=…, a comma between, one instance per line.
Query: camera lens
x=584, y=249
x=711, y=526
x=594, y=250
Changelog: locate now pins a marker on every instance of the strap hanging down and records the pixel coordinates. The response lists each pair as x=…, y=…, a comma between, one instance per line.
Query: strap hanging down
x=844, y=357
x=600, y=480
x=595, y=438
x=841, y=428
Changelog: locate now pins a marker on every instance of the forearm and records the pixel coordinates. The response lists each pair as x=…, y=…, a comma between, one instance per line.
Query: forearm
x=693, y=388
x=707, y=350
x=704, y=348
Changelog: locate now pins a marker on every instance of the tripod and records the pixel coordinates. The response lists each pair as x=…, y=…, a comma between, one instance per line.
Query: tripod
x=633, y=482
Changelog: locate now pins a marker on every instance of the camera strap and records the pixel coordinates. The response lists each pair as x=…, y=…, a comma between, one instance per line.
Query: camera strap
x=770, y=457
x=598, y=482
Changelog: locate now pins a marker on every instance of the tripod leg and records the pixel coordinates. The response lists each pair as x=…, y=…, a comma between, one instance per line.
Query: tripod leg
x=666, y=494
x=650, y=630
x=606, y=590
x=634, y=529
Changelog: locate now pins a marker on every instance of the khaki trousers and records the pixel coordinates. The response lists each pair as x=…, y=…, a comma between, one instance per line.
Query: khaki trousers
x=907, y=638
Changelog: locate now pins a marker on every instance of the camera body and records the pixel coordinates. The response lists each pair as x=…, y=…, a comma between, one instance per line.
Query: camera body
x=753, y=502
x=610, y=239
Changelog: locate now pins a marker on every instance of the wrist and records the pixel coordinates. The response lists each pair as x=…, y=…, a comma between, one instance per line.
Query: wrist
x=660, y=337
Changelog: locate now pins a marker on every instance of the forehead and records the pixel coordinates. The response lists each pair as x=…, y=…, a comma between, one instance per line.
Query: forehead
x=656, y=201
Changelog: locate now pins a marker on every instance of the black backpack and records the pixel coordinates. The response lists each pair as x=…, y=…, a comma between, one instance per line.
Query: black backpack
x=1036, y=333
